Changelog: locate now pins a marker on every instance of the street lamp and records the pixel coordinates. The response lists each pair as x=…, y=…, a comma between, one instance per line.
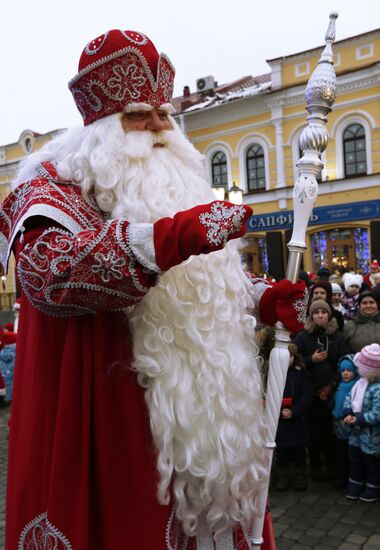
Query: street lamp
x=218, y=189
x=235, y=194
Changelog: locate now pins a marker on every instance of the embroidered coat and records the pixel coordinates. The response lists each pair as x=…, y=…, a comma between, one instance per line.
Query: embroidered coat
x=82, y=464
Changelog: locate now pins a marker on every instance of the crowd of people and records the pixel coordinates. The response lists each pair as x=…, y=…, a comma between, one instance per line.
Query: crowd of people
x=330, y=413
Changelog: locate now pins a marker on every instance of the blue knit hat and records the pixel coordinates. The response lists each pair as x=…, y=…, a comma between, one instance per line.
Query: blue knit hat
x=347, y=363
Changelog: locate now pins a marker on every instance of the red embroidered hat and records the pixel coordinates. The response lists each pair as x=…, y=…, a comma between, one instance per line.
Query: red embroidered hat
x=119, y=68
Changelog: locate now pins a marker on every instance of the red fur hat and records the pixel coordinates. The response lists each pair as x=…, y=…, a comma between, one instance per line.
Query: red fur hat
x=117, y=69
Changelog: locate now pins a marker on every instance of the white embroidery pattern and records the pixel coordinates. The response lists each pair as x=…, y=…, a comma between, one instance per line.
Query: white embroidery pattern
x=107, y=265
x=173, y=534
x=128, y=69
x=223, y=221
x=40, y=534
x=300, y=306
x=60, y=277
x=135, y=37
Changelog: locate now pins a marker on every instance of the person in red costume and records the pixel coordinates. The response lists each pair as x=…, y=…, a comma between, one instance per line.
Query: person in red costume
x=369, y=278
x=137, y=420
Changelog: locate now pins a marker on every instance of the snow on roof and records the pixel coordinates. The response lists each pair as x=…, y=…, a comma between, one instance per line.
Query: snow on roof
x=235, y=92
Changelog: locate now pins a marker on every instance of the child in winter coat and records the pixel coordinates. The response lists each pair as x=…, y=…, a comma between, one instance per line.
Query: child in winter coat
x=348, y=377
x=350, y=300
x=292, y=432
x=362, y=413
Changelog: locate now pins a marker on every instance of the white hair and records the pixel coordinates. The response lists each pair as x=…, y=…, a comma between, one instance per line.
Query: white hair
x=193, y=339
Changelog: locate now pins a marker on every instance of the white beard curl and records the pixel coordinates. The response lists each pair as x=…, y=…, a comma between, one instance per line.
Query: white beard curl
x=194, y=348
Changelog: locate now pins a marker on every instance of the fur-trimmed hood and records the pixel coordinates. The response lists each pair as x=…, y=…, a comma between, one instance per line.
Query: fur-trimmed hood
x=310, y=326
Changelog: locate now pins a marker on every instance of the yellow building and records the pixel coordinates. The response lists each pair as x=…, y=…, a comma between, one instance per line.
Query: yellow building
x=248, y=131
x=10, y=157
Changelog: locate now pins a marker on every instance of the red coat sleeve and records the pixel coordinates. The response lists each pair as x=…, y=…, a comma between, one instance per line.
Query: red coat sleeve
x=95, y=270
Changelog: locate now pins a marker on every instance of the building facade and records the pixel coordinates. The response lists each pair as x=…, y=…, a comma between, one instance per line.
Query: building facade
x=10, y=157
x=248, y=131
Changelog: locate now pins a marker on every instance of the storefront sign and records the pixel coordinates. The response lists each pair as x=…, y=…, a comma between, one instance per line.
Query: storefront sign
x=353, y=211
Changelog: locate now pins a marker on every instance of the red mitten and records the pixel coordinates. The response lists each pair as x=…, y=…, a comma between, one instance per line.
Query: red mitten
x=200, y=230
x=285, y=302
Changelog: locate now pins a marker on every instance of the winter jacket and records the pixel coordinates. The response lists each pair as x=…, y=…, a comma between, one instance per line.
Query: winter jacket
x=350, y=304
x=324, y=373
x=341, y=430
x=366, y=433
x=361, y=331
x=293, y=432
x=7, y=363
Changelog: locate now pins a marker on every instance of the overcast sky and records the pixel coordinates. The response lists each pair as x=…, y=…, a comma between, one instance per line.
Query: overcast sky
x=41, y=42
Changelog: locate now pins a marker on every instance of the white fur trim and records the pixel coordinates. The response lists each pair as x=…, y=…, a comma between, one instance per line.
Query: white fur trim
x=142, y=244
x=132, y=107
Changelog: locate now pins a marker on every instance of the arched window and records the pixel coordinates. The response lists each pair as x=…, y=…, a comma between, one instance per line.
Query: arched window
x=355, y=161
x=219, y=172
x=255, y=167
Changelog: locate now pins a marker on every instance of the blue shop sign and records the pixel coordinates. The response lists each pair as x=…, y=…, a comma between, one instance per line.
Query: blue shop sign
x=353, y=211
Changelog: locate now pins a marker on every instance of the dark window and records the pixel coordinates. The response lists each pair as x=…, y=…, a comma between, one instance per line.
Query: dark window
x=355, y=161
x=255, y=166
x=219, y=169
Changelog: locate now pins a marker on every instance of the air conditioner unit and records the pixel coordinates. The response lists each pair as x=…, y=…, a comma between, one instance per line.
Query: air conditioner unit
x=206, y=83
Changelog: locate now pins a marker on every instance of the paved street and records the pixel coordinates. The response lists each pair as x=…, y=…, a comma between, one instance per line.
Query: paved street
x=321, y=518
x=4, y=415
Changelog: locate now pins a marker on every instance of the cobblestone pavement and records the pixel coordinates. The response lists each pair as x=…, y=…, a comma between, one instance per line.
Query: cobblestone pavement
x=321, y=518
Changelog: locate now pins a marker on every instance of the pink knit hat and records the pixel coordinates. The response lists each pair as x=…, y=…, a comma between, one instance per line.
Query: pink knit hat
x=368, y=360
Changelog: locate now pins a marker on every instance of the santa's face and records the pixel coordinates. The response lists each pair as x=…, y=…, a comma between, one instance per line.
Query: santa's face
x=153, y=120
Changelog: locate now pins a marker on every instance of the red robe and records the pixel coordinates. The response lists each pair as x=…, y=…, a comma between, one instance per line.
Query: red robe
x=82, y=464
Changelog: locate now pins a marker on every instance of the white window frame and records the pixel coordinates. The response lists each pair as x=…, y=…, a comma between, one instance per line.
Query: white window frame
x=241, y=152
x=339, y=129
x=302, y=69
x=360, y=49
x=337, y=59
x=223, y=147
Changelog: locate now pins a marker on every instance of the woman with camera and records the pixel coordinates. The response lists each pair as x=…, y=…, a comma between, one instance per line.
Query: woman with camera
x=321, y=345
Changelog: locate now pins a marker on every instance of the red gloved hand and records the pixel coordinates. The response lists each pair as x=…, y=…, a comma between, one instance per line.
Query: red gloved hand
x=285, y=302
x=200, y=230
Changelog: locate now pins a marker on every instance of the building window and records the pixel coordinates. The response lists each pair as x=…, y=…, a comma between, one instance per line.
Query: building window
x=337, y=59
x=219, y=171
x=355, y=162
x=341, y=249
x=255, y=255
x=302, y=69
x=365, y=51
x=255, y=168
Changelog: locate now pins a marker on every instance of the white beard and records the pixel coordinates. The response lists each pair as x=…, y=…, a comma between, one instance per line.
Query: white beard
x=195, y=353
x=193, y=340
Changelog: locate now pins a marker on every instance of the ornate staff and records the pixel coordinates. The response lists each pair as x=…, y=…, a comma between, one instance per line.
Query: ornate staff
x=320, y=96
